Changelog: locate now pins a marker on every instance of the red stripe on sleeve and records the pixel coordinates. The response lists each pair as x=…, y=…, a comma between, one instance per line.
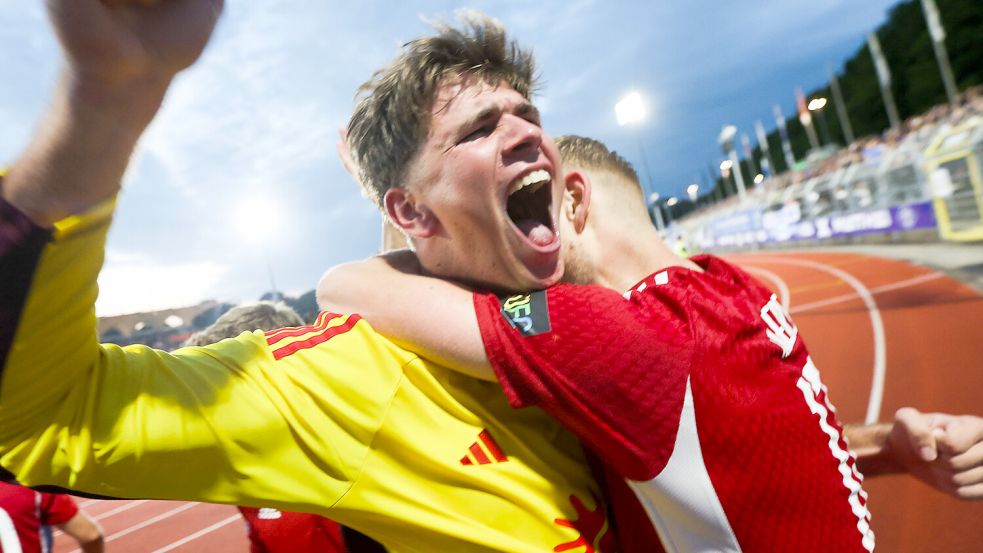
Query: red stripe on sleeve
x=479, y=454
x=317, y=339
x=274, y=336
x=492, y=446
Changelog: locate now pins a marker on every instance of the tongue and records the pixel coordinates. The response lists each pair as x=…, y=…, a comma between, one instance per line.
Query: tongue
x=537, y=232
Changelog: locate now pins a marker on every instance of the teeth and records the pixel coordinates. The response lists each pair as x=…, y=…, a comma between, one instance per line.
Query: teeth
x=536, y=179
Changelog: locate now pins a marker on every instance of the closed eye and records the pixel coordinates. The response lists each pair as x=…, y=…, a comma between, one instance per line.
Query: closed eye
x=480, y=132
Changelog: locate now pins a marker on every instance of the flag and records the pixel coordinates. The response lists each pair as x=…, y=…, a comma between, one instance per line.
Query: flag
x=783, y=133
x=766, y=164
x=749, y=154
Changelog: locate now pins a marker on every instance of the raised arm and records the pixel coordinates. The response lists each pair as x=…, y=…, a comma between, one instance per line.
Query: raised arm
x=120, y=58
x=429, y=316
x=944, y=451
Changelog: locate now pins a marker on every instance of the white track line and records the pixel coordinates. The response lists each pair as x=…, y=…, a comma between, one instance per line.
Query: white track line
x=877, y=325
x=873, y=291
x=199, y=534
x=146, y=523
x=779, y=283
x=126, y=507
x=121, y=508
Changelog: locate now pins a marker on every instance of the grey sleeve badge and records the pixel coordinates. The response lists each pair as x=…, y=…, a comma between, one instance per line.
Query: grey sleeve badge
x=527, y=313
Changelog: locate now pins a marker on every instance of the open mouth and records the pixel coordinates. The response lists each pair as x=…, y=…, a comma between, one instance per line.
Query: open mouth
x=528, y=207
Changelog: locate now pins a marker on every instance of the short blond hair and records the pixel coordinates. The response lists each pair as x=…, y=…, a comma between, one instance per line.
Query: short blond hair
x=392, y=119
x=580, y=151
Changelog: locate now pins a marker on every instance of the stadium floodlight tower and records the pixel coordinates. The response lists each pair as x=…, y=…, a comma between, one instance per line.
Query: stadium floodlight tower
x=816, y=106
x=256, y=219
x=726, y=141
x=630, y=110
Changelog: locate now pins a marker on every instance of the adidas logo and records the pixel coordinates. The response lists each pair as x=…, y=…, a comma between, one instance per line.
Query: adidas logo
x=484, y=451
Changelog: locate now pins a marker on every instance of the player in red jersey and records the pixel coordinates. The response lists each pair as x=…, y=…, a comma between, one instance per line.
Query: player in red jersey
x=697, y=389
x=23, y=513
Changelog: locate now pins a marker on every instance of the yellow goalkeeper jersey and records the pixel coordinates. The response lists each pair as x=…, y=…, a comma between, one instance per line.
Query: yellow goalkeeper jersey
x=330, y=418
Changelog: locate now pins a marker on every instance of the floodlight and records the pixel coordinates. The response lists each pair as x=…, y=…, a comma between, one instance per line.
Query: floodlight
x=631, y=109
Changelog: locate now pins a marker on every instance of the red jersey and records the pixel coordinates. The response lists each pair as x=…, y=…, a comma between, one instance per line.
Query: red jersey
x=22, y=513
x=274, y=531
x=699, y=391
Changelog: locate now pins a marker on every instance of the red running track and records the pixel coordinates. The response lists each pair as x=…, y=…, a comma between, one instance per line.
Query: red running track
x=916, y=339
x=884, y=334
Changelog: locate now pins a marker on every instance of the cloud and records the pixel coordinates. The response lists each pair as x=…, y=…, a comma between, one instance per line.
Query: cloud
x=133, y=282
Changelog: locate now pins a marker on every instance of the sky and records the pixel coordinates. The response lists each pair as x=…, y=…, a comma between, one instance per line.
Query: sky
x=254, y=122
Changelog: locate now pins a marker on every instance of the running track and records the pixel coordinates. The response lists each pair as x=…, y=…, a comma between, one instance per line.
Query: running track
x=884, y=334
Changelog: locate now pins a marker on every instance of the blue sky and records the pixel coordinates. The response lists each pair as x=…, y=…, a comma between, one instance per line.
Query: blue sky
x=257, y=117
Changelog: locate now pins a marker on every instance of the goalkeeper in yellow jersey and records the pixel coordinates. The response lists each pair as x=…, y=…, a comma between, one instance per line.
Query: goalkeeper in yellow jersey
x=330, y=418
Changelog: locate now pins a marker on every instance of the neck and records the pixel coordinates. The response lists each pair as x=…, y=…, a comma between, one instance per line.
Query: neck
x=628, y=257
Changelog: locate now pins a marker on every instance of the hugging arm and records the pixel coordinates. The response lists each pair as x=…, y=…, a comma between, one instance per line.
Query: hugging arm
x=429, y=316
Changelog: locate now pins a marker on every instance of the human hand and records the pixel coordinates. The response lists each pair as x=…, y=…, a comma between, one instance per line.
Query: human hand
x=119, y=42
x=945, y=451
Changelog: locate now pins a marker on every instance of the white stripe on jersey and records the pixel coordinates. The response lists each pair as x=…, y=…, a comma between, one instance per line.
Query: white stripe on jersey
x=9, y=540
x=681, y=501
x=811, y=385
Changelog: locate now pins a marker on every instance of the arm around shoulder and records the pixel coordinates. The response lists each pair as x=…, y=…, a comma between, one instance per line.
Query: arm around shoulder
x=432, y=317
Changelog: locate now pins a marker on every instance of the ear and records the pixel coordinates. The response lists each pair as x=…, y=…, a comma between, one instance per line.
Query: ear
x=416, y=220
x=576, y=198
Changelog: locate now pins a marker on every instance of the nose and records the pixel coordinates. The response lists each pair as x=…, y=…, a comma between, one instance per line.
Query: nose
x=523, y=136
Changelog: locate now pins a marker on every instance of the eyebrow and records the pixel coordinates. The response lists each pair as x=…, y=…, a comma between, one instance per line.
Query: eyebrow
x=525, y=109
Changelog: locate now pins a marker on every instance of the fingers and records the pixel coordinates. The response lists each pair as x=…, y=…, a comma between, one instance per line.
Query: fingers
x=144, y=3
x=961, y=434
x=970, y=492
x=960, y=447
x=919, y=432
x=964, y=457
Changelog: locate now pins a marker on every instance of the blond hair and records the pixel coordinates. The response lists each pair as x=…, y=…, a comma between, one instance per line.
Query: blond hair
x=580, y=151
x=392, y=119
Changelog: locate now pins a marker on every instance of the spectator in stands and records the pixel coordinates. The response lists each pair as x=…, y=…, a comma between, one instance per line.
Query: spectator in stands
x=271, y=530
x=23, y=513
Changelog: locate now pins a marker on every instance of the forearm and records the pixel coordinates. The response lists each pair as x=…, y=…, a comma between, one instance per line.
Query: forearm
x=86, y=532
x=80, y=152
x=872, y=445
x=428, y=316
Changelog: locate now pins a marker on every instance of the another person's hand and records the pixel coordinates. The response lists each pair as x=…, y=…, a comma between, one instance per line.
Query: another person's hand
x=944, y=451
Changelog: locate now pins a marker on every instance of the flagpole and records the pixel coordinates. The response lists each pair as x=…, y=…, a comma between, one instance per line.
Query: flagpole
x=766, y=161
x=937, y=31
x=783, y=132
x=884, y=78
x=841, y=113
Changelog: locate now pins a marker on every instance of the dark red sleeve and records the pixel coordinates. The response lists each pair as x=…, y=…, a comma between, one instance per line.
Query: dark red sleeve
x=21, y=244
x=57, y=508
x=608, y=369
